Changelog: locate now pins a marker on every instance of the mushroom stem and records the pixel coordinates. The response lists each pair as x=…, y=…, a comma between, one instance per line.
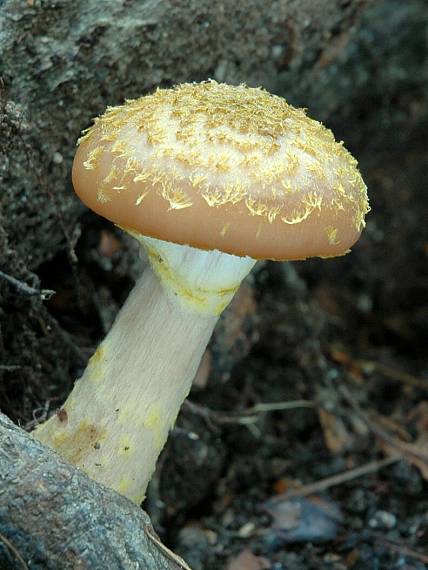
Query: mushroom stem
x=116, y=420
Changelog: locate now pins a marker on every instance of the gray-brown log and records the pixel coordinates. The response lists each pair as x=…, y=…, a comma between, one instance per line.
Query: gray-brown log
x=53, y=516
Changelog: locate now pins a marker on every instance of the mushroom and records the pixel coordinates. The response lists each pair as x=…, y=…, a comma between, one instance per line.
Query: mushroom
x=208, y=178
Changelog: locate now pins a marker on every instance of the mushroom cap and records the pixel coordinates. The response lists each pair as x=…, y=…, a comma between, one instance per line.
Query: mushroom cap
x=223, y=167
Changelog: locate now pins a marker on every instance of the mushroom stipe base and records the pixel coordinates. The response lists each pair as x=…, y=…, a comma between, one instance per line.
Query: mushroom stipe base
x=116, y=420
x=215, y=173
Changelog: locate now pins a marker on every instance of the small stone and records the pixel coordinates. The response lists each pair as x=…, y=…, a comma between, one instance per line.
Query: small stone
x=383, y=519
x=193, y=544
x=57, y=158
x=246, y=530
x=277, y=51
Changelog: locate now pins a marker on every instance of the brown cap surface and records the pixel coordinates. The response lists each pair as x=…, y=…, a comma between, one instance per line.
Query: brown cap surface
x=221, y=167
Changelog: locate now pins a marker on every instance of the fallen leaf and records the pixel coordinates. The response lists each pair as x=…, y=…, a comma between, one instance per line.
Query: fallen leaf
x=280, y=486
x=415, y=453
x=246, y=560
x=336, y=436
x=304, y=519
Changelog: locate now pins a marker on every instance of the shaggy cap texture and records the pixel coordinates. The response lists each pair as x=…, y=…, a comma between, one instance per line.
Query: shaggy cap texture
x=223, y=167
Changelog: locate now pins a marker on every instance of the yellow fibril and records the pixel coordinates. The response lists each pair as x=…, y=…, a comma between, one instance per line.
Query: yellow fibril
x=213, y=134
x=223, y=167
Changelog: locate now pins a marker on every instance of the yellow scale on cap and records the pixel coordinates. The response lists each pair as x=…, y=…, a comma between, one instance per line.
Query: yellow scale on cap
x=210, y=127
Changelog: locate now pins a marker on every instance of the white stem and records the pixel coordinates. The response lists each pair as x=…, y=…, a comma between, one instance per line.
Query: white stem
x=118, y=415
x=116, y=420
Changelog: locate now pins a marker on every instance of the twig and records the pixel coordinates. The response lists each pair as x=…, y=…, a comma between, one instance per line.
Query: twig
x=380, y=432
x=22, y=287
x=37, y=419
x=393, y=374
x=339, y=479
x=165, y=550
x=208, y=415
x=14, y=551
x=249, y=415
x=65, y=337
x=373, y=366
x=403, y=549
x=278, y=406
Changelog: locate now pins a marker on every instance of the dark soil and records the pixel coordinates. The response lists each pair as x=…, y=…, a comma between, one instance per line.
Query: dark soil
x=348, y=337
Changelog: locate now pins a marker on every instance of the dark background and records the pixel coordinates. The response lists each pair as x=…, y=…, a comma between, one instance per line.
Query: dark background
x=349, y=335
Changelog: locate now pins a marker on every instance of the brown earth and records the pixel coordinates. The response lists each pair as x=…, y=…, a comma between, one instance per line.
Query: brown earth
x=347, y=335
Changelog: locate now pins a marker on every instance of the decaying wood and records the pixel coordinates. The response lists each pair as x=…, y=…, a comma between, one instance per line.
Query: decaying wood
x=53, y=516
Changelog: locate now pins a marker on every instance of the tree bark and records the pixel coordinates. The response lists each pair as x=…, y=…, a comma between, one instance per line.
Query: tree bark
x=63, y=62
x=53, y=516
